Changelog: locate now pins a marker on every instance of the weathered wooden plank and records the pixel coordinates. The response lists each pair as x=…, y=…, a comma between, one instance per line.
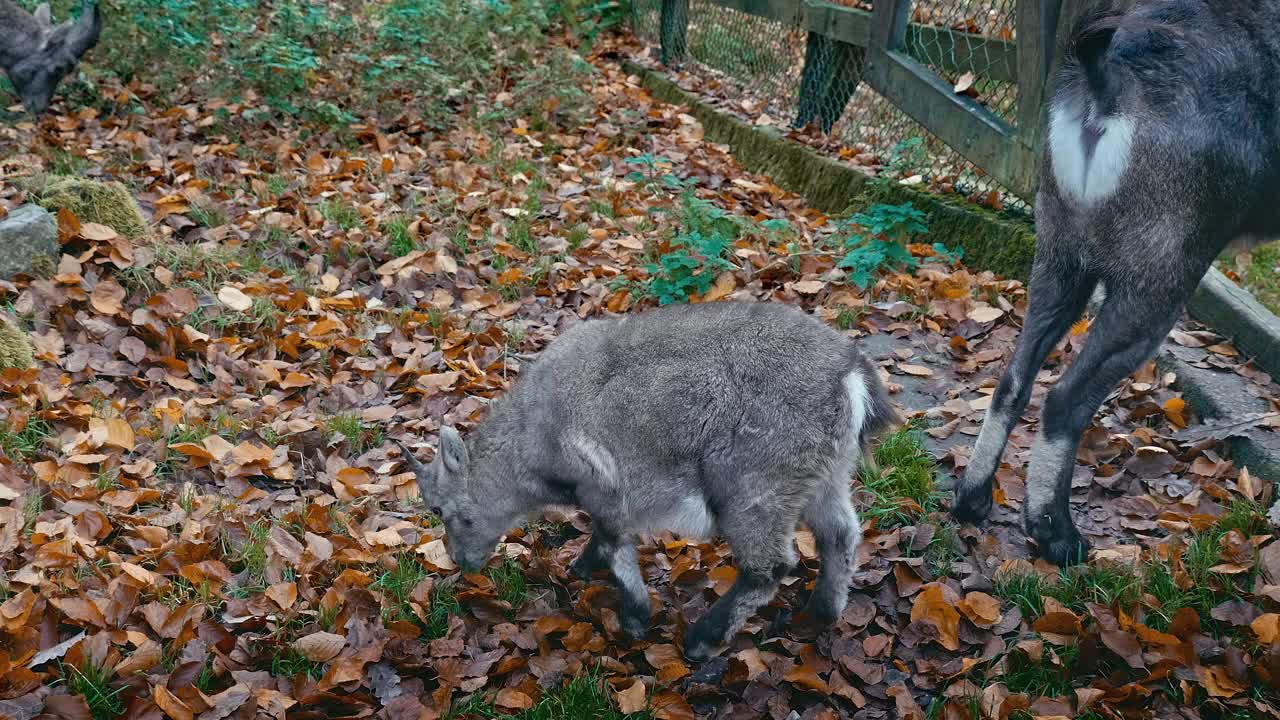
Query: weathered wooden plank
x=969, y=128
x=941, y=47
x=790, y=12
x=889, y=22
x=1037, y=26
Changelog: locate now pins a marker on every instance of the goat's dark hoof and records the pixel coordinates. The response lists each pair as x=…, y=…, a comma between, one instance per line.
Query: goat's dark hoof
x=972, y=503
x=702, y=641
x=821, y=612
x=635, y=626
x=583, y=569
x=1064, y=548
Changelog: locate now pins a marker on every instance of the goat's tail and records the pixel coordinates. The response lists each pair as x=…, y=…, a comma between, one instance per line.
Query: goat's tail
x=1094, y=35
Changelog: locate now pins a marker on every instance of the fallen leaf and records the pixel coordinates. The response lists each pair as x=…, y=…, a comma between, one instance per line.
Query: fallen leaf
x=320, y=646
x=934, y=607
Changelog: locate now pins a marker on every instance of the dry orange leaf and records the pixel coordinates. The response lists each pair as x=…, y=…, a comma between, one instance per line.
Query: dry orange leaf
x=1267, y=628
x=981, y=609
x=633, y=699
x=934, y=607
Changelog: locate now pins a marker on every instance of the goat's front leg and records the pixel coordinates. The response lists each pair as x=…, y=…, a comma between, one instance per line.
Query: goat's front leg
x=595, y=556
x=1126, y=334
x=624, y=564
x=1060, y=289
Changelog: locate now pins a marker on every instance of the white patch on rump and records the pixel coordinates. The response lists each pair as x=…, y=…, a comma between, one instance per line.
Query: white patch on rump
x=856, y=388
x=1089, y=178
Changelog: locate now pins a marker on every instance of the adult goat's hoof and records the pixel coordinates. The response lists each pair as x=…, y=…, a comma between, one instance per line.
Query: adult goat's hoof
x=972, y=502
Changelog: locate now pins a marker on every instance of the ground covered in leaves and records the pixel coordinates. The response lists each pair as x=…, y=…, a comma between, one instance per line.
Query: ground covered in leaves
x=200, y=516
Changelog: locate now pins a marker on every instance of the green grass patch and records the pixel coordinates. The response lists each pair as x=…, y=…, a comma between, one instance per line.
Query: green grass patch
x=1154, y=586
x=902, y=481
x=510, y=582
x=1073, y=587
x=91, y=681
x=352, y=428
x=585, y=696
x=340, y=212
x=400, y=241
x=396, y=586
x=22, y=444
x=1262, y=276
x=173, y=460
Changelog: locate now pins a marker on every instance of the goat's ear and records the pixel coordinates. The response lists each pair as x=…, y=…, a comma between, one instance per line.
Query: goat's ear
x=43, y=17
x=77, y=37
x=453, y=452
x=423, y=474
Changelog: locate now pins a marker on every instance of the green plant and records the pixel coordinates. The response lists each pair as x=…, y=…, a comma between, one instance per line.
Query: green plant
x=340, y=213
x=902, y=479
x=400, y=240
x=584, y=696
x=509, y=582
x=905, y=156
x=359, y=436
x=22, y=444
x=208, y=214
x=878, y=240
x=696, y=255
x=92, y=682
x=589, y=19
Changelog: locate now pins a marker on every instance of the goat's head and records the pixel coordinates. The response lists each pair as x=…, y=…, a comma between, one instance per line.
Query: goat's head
x=475, y=510
x=37, y=54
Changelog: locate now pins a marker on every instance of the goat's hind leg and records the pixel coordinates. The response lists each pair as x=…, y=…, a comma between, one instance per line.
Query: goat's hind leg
x=838, y=532
x=1060, y=289
x=1127, y=333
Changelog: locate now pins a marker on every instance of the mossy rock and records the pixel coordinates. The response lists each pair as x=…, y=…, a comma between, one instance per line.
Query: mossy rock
x=15, y=347
x=105, y=203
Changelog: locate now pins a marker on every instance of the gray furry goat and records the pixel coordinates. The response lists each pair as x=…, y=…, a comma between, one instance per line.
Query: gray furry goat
x=36, y=55
x=1163, y=149
x=736, y=418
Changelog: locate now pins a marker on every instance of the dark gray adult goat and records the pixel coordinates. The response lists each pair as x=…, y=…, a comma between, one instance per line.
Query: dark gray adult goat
x=36, y=55
x=1164, y=147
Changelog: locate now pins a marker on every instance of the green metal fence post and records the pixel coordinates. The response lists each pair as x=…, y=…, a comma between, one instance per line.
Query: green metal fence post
x=673, y=31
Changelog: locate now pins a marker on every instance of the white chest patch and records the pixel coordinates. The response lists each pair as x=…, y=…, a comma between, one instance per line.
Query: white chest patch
x=1089, y=176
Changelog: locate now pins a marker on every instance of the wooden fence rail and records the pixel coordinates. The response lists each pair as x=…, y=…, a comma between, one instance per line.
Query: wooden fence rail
x=902, y=61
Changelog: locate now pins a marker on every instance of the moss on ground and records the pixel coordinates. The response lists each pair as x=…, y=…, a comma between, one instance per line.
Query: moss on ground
x=15, y=348
x=105, y=203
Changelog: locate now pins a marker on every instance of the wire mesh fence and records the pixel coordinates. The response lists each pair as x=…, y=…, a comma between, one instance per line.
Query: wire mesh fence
x=777, y=70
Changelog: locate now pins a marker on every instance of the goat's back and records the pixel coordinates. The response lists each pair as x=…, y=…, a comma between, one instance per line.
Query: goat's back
x=682, y=381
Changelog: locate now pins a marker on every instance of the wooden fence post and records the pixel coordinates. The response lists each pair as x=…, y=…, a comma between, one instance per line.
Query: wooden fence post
x=673, y=31
x=831, y=74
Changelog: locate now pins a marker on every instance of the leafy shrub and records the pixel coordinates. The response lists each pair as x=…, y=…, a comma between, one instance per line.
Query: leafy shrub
x=696, y=255
x=878, y=241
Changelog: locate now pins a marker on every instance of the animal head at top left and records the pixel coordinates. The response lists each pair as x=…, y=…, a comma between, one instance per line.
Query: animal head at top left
x=37, y=55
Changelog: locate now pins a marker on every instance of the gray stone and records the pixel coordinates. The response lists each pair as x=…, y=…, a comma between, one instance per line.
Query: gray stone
x=28, y=240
